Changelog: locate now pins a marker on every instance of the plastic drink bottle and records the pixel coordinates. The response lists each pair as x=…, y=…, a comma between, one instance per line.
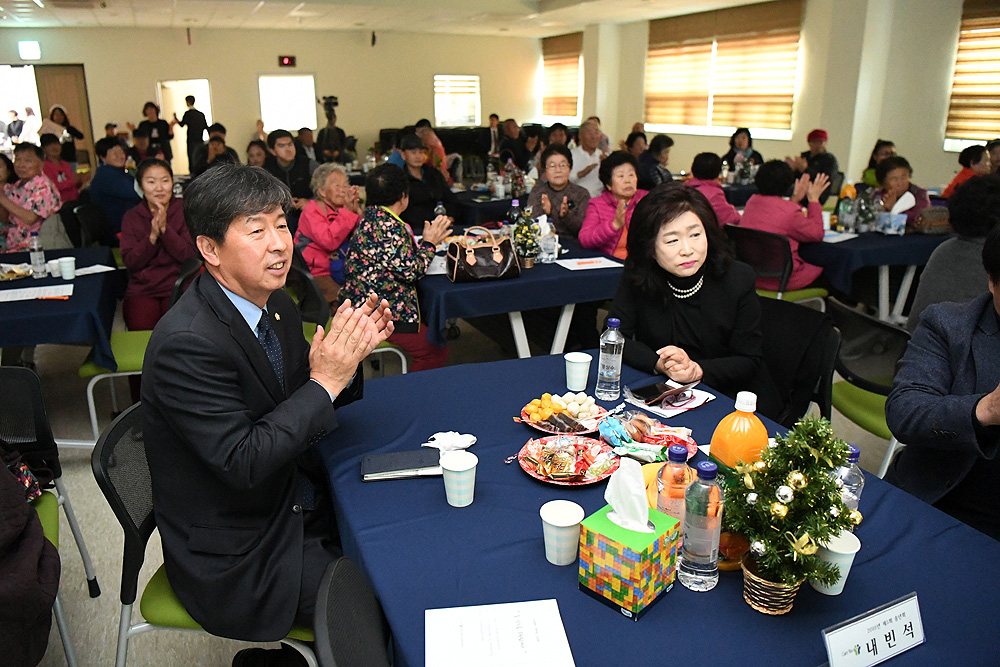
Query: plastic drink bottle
x=852, y=478
x=672, y=481
x=36, y=255
x=440, y=210
x=609, y=365
x=740, y=436
x=514, y=213
x=698, y=569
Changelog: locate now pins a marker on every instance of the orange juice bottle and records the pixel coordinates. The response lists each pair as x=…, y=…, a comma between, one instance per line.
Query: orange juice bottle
x=848, y=191
x=741, y=436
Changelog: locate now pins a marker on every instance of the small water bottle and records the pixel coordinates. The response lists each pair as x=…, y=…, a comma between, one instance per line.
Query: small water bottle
x=514, y=213
x=440, y=210
x=672, y=481
x=698, y=567
x=36, y=256
x=852, y=480
x=609, y=366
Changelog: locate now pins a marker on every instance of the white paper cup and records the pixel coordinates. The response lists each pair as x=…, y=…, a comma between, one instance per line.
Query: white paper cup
x=839, y=551
x=561, y=530
x=67, y=266
x=459, y=477
x=52, y=266
x=826, y=219
x=577, y=370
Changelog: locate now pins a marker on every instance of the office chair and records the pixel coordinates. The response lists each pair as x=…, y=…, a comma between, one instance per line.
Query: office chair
x=47, y=508
x=770, y=255
x=351, y=630
x=190, y=269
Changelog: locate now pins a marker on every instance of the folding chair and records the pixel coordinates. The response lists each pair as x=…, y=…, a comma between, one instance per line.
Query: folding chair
x=351, y=630
x=129, y=350
x=770, y=255
x=47, y=508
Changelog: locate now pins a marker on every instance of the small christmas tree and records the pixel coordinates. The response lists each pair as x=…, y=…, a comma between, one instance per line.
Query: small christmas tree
x=787, y=503
x=526, y=234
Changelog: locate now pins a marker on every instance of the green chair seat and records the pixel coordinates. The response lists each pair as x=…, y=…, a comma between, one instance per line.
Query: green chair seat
x=864, y=408
x=47, y=508
x=128, y=348
x=796, y=295
x=117, y=254
x=160, y=606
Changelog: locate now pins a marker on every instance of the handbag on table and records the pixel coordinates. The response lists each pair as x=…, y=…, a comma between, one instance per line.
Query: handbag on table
x=474, y=257
x=931, y=220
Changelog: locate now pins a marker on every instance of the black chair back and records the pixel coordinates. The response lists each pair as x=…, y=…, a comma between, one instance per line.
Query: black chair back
x=189, y=271
x=313, y=306
x=122, y=473
x=836, y=183
x=350, y=627
x=769, y=254
x=95, y=227
x=24, y=425
x=869, y=348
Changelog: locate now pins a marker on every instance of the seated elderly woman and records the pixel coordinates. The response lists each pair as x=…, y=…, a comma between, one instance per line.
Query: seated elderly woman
x=975, y=161
x=325, y=227
x=771, y=212
x=653, y=163
x=893, y=174
x=113, y=189
x=705, y=170
x=26, y=202
x=563, y=202
x=741, y=148
x=687, y=310
x=605, y=227
x=385, y=258
x=635, y=144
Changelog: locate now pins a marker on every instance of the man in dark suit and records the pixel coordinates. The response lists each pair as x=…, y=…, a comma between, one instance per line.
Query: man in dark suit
x=233, y=400
x=945, y=406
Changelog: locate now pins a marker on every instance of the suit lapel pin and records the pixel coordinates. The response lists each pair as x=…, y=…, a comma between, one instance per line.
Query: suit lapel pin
x=277, y=317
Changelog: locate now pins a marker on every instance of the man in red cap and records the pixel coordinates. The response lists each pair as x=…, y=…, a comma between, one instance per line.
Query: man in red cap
x=816, y=161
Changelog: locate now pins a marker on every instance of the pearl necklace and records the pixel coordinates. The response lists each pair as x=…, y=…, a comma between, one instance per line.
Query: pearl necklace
x=686, y=293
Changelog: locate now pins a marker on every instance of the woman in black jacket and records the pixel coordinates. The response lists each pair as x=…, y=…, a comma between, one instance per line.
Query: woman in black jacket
x=159, y=130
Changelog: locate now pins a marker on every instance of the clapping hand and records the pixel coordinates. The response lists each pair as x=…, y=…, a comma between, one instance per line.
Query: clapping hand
x=159, y=223
x=354, y=200
x=354, y=332
x=564, y=207
x=619, y=220
x=546, y=205
x=437, y=230
x=817, y=187
x=988, y=408
x=801, y=188
x=675, y=363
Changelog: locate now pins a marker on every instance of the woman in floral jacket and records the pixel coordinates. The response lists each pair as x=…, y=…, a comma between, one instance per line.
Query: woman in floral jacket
x=385, y=258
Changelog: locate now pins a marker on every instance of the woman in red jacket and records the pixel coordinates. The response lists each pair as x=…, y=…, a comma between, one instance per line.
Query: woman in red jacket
x=154, y=242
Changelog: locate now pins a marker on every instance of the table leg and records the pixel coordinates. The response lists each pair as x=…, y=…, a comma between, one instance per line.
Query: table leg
x=562, y=328
x=883, y=292
x=904, y=292
x=520, y=337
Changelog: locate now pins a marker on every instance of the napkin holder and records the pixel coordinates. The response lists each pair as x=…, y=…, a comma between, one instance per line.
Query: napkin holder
x=625, y=569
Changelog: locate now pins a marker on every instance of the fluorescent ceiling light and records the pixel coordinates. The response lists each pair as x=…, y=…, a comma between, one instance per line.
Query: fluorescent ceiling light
x=29, y=50
x=39, y=3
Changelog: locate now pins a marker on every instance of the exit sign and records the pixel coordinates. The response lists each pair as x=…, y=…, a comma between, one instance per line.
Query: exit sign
x=286, y=61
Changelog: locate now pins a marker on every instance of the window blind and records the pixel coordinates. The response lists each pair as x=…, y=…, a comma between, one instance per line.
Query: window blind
x=456, y=100
x=974, y=111
x=561, y=74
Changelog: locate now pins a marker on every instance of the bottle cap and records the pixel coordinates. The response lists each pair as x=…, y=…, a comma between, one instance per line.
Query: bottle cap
x=746, y=401
x=614, y=322
x=514, y=203
x=707, y=470
x=678, y=453
x=34, y=233
x=854, y=454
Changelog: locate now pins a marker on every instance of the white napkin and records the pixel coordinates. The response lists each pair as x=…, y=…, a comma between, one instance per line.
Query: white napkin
x=626, y=493
x=904, y=203
x=450, y=441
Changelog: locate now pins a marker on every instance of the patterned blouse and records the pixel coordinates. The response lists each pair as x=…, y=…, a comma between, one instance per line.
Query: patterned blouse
x=385, y=258
x=38, y=195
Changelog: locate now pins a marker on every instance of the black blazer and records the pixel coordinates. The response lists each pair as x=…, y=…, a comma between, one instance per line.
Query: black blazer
x=225, y=443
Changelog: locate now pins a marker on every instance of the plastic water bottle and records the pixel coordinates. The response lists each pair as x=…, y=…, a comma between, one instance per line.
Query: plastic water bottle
x=672, y=481
x=852, y=478
x=741, y=435
x=36, y=256
x=440, y=210
x=698, y=569
x=609, y=366
x=514, y=212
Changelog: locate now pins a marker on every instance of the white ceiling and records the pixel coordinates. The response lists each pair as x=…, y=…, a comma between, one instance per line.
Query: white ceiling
x=523, y=18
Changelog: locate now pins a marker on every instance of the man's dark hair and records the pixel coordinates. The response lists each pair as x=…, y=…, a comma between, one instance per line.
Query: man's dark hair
x=634, y=137
x=140, y=133
x=558, y=126
x=228, y=192
x=304, y=129
x=104, y=145
x=216, y=128
x=217, y=140
x=493, y=115
x=385, y=185
x=189, y=99
x=28, y=147
x=555, y=149
x=992, y=143
x=706, y=166
x=148, y=164
x=991, y=255
x=150, y=105
x=47, y=139
x=273, y=137
x=774, y=178
x=616, y=159
x=889, y=164
x=974, y=208
x=971, y=155
x=532, y=131
x=660, y=143
x=423, y=122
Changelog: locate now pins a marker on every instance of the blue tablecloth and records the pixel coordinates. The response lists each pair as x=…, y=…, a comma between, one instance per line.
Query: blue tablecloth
x=472, y=211
x=84, y=318
x=739, y=195
x=841, y=260
x=420, y=553
x=542, y=286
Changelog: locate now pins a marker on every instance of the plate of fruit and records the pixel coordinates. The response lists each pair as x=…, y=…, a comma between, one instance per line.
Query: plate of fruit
x=567, y=460
x=569, y=413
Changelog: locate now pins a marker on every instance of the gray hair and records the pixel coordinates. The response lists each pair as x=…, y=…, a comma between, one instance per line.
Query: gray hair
x=322, y=173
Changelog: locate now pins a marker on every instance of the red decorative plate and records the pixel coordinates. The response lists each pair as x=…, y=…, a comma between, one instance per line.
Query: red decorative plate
x=546, y=428
x=529, y=467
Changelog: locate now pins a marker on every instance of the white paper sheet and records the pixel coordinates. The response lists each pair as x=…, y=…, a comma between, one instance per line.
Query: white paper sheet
x=526, y=634
x=837, y=237
x=438, y=266
x=588, y=263
x=29, y=293
x=96, y=268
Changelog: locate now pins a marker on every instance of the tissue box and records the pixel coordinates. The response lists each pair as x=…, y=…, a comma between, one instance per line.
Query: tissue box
x=626, y=570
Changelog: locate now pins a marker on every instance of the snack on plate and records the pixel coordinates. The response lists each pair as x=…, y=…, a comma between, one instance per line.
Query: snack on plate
x=14, y=271
x=567, y=457
x=645, y=436
x=563, y=412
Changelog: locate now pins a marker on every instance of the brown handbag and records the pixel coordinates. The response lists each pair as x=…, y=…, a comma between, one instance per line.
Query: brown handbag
x=472, y=257
x=931, y=220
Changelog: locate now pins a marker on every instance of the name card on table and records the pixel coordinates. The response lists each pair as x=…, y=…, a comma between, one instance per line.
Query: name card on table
x=29, y=293
x=586, y=263
x=877, y=635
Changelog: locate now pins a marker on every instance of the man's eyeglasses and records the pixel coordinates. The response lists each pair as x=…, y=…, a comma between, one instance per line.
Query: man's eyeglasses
x=679, y=400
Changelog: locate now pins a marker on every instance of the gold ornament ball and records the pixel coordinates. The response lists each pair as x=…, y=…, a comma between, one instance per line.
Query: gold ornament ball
x=797, y=480
x=855, y=517
x=780, y=511
x=759, y=465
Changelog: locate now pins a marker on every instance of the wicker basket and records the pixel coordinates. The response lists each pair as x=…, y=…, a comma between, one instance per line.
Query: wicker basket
x=766, y=596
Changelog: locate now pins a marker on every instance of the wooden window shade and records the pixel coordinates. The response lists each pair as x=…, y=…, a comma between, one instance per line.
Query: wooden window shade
x=754, y=81
x=561, y=74
x=677, y=84
x=974, y=112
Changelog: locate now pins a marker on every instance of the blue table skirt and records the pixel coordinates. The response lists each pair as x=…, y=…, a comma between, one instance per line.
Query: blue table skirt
x=739, y=195
x=542, y=286
x=471, y=211
x=421, y=553
x=84, y=318
x=841, y=260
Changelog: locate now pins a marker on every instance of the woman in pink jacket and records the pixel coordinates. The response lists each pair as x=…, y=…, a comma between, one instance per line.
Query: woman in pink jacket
x=605, y=228
x=769, y=211
x=705, y=170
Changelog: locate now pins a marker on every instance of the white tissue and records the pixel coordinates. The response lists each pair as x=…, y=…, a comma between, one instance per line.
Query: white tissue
x=626, y=493
x=450, y=441
x=904, y=203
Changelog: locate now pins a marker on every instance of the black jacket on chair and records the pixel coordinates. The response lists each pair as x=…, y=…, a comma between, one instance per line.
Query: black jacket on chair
x=227, y=446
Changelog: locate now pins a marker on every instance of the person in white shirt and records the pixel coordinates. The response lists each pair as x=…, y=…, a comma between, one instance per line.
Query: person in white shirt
x=587, y=158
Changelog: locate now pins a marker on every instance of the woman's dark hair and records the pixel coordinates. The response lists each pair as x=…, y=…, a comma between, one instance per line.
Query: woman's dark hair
x=532, y=131
x=555, y=149
x=706, y=166
x=633, y=137
x=11, y=174
x=974, y=208
x=890, y=164
x=662, y=205
x=774, y=178
x=227, y=192
x=47, y=139
x=148, y=164
x=149, y=105
x=991, y=254
x=106, y=144
x=971, y=155
x=660, y=143
x=385, y=185
x=52, y=112
x=259, y=144
x=739, y=131
x=616, y=159
x=879, y=145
